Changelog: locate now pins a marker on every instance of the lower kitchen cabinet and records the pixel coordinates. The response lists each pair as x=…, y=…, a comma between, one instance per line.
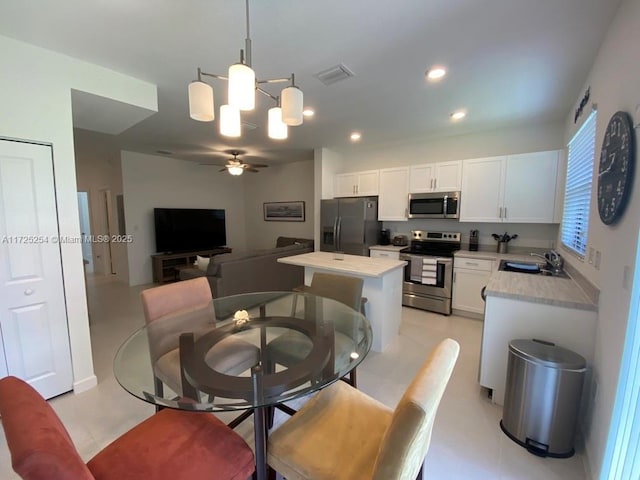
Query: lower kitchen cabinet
x=509, y=319
x=470, y=275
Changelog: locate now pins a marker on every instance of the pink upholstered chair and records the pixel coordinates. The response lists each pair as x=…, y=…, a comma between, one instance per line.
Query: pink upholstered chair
x=187, y=305
x=170, y=445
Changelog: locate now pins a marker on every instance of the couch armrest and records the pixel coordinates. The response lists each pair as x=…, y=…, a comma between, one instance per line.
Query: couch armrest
x=189, y=273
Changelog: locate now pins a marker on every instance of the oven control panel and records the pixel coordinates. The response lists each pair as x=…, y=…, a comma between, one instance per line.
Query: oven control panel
x=437, y=236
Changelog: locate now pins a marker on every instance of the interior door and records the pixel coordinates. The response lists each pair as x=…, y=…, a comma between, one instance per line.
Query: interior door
x=33, y=319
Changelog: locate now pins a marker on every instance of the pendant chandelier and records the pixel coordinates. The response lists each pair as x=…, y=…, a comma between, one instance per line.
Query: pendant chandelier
x=242, y=87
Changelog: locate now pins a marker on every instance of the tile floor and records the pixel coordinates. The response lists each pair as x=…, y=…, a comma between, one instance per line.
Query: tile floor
x=467, y=441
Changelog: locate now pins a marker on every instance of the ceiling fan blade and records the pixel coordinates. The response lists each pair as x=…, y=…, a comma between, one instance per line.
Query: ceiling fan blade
x=223, y=169
x=259, y=165
x=252, y=170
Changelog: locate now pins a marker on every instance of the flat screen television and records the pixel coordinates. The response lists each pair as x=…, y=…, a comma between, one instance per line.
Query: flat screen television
x=189, y=229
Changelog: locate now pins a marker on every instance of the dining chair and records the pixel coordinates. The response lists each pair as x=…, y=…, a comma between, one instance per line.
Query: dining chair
x=188, y=306
x=343, y=434
x=289, y=348
x=169, y=445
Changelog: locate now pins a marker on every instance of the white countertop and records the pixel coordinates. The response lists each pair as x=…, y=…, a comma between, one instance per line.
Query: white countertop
x=563, y=292
x=355, y=264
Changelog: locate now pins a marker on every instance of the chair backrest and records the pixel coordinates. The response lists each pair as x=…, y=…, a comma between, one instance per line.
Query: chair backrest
x=407, y=439
x=342, y=288
x=159, y=302
x=40, y=446
x=173, y=308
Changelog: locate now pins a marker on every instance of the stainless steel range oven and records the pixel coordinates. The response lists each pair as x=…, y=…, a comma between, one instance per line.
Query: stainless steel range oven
x=428, y=275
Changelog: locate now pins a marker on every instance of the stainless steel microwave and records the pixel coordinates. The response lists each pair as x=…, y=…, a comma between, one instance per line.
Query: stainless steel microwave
x=434, y=205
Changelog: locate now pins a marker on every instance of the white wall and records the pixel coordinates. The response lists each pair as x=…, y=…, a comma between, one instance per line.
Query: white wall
x=151, y=181
x=98, y=168
x=615, y=85
x=278, y=183
x=415, y=151
x=35, y=94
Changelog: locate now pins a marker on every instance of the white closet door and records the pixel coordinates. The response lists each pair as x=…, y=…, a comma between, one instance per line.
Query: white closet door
x=33, y=317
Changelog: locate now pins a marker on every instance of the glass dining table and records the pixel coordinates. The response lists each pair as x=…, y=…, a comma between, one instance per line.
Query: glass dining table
x=298, y=343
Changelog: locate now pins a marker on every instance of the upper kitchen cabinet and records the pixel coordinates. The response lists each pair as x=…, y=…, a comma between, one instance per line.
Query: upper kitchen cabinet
x=510, y=189
x=393, y=193
x=356, y=184
x=436, y=177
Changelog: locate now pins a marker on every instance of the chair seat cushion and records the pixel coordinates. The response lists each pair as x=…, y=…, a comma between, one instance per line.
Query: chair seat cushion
x=174, y=445
x=231, y=356
x=292, y=347
x=304, y=447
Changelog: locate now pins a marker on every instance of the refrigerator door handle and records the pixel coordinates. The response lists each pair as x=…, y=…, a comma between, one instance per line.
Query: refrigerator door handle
x=338, y=233
x=335, y=233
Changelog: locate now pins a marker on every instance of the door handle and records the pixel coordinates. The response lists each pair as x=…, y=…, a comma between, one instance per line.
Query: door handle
x=29, y=291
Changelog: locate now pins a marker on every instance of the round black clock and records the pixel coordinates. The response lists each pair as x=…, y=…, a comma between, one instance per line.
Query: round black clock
x=615, y=174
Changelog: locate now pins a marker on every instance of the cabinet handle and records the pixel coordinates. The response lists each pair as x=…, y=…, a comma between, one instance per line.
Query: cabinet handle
x=431, y=184
x=499, y=212
x=505, y=212
x=471, y=263
x=435, y=183
x=454, y=277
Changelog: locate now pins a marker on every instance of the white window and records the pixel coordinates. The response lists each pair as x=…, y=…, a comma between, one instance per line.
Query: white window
x=577, y=196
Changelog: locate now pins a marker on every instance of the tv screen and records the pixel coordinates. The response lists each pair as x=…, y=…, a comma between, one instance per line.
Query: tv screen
x=189, y=229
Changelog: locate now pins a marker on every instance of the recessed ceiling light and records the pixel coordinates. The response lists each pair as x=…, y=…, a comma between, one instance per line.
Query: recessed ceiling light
x=458, y=115
x=436, y=73
x=355, y=136
x=307, y=112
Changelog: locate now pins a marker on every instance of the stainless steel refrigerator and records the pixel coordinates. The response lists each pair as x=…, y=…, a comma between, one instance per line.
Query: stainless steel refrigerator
x=349, y=225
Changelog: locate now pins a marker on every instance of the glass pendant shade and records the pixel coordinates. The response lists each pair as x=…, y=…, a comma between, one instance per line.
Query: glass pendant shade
x=242, y=87
x=235, y=170
x=292, y=106
x=278, y=130
x=229, y=121
x=201, y=102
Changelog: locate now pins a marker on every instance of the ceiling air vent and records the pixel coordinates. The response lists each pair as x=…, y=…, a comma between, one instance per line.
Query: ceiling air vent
x=334, y=74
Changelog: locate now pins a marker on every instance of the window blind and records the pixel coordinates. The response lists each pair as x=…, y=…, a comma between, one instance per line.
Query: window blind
x=577, y=197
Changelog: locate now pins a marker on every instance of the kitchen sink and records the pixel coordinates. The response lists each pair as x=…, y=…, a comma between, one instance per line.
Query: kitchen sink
x=531, y=268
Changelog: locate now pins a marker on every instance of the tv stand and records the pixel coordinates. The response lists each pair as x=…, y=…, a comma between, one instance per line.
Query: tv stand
x=166, y=266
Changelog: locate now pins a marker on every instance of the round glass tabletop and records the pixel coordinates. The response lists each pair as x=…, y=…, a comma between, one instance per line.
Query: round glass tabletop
x=243, y=351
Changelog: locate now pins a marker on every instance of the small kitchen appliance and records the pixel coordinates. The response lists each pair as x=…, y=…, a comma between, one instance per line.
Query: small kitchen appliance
x=385, y=237
x=473, y=240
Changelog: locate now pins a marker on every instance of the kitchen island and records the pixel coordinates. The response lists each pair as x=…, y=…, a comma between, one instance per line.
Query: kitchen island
x=382, y=286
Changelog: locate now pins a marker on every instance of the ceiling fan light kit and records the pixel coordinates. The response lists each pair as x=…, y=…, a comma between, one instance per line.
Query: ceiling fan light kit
x=242, y=88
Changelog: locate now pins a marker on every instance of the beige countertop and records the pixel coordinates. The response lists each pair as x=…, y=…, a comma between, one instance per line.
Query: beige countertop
x=563, y=292
x=354, y=264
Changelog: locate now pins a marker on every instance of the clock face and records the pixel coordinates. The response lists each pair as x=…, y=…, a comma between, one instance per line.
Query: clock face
x=615, y=174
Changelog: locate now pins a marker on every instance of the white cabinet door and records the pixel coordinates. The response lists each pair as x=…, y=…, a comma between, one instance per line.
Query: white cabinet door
x=367, y=183
x=436, y=177
x=33, y=318
x=530, y=187
x=448, y=176
x=393, y=194
x=421, y=178
x=467, y=285
x=345, y=185
x=356, y=184
x=481, y=195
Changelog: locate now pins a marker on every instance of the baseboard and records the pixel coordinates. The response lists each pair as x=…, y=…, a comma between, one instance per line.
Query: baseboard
x=464, y=313
x=85, y=384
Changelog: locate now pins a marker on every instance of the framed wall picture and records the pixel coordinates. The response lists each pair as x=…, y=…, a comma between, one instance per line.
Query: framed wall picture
x=284, y=211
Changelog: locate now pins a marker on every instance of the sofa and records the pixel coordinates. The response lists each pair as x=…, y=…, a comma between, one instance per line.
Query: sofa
x=253, y=271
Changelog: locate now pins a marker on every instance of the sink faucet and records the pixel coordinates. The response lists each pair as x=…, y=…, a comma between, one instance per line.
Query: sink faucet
x=553, y=259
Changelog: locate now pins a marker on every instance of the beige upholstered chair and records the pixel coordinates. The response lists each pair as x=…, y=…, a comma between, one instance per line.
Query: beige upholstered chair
x=187, y=305
x=343, y=434
x=342, y=288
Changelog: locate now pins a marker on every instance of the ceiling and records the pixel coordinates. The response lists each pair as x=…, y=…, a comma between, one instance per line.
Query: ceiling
x=510, y=62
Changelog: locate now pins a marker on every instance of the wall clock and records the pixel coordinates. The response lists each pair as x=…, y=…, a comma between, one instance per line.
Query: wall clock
x=615, y=174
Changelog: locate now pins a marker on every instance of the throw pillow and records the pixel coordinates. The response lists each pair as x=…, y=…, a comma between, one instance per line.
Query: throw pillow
x=202, y=263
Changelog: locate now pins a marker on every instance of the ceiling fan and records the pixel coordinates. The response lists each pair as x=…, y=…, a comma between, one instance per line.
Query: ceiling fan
x=235, y=166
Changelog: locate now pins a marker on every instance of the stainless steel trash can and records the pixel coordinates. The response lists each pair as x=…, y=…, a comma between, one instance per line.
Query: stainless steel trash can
x=542, y=398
